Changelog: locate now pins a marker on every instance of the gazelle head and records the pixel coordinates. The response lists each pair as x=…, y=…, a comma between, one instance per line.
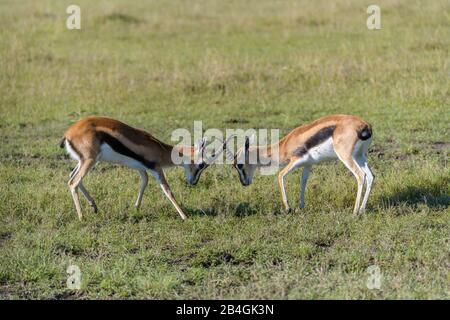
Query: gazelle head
x=242, y=163
x=198, y=162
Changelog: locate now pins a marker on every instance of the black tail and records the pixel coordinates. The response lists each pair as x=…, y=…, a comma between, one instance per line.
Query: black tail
x=365, y=133
x=61, y=142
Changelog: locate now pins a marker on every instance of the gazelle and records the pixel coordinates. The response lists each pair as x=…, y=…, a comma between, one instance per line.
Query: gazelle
x=95, y=139
x=342, y=137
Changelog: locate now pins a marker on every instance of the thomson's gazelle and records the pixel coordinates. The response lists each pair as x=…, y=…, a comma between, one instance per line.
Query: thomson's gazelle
x=342, y=137
x=95, y=139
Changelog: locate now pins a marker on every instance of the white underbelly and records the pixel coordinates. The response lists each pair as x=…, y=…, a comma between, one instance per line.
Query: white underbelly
x=321, y=152
x=109, y=155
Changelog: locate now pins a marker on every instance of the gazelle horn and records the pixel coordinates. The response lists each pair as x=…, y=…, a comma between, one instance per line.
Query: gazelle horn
x=223, y=148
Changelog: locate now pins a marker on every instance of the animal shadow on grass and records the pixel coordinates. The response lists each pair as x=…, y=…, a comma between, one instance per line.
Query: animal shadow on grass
x=243, y=209
x=191, y=212
x=431, y=195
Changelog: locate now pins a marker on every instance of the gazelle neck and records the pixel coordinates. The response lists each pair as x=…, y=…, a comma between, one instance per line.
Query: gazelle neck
x=186, y=152
x=267, y=155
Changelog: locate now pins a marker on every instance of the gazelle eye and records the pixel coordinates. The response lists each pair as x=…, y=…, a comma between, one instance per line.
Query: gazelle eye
x=240, y=166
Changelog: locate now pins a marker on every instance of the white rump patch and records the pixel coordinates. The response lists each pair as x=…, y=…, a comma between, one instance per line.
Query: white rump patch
x=71, y=152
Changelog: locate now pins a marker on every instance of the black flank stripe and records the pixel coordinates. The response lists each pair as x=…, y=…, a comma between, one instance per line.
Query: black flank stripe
x=119, y=147
x=320, y=136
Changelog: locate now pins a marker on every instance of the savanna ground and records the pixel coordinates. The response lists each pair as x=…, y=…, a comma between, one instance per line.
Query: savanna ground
x=160, y=65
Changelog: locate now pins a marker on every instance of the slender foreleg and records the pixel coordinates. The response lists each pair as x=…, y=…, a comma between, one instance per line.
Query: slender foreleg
x=292, y=165
x=144, y=182
x=159, y=175
x=304, y=180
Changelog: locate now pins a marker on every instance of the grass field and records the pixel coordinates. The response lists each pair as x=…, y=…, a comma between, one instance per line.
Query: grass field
x=160, y=65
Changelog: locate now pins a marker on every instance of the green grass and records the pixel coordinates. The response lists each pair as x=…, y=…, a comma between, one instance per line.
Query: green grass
x=160, y=65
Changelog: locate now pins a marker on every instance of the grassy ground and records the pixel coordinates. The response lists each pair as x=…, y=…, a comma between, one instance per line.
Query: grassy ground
x=160, y=65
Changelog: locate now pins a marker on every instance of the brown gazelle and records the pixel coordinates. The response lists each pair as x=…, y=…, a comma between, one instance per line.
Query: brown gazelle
x=95, y=139
x=342, y=137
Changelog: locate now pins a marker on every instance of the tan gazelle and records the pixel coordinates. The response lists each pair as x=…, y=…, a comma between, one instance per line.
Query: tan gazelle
x=96, y=139
x=342, y=137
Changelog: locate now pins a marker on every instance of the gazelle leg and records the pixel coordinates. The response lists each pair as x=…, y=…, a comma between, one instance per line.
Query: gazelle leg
x=144, y=182
x=74, y=171
x=74, y=191
x=369, y=181
x=293, y=164
x=360, y=177
x=304, y=180
x=83, y=189
x=158, y=173
x=345, y=155
x=74, y=182
x=88, y=197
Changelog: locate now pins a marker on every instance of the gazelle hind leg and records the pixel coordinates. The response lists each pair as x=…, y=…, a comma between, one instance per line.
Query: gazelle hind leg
x=304, y=180
x=88, y=197
x=144, y=182
x=74, y=171
x=83, y=189
x=345, y=155
x=74, y=191
x=362, y=161
x=74, y=182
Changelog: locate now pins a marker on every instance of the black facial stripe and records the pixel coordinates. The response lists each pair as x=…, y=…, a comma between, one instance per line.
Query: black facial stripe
x=119, y=147
x=197, y=175
x=242, y=175
x=316, y=139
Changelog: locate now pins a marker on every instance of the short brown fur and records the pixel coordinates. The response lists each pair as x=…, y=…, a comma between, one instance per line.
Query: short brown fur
x=84, y=138
x=345, y=130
